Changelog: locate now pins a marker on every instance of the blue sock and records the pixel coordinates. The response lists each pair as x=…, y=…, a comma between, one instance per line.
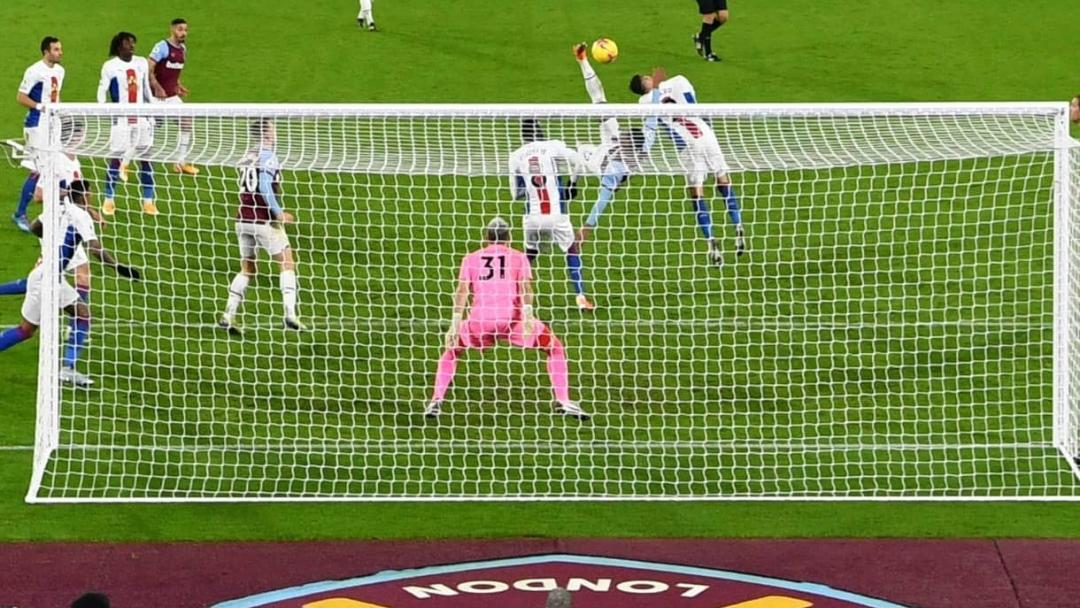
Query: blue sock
x=573, y=265
x=27, y=193
x=146, y=178
x=733, y=210
x=598, y=207
x=112, y=175
x=13, y=288
x=704, y=220
x=12, y=336
x=79, y=331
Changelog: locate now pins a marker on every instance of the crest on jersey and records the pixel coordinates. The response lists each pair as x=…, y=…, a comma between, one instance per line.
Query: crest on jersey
x=594, y=582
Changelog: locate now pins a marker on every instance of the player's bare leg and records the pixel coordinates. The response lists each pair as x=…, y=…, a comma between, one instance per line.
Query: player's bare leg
x=710, y=22
x=289, y=289
x=239, y=285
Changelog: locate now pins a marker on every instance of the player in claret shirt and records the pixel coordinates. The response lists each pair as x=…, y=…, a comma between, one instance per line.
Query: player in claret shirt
x=166, y=63
x=260, y=224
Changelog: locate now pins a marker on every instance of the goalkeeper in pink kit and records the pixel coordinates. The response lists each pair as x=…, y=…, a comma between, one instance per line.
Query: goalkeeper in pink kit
x=499, y=278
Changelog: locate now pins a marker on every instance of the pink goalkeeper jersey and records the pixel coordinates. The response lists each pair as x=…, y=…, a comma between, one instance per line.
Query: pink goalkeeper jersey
x=495, y=275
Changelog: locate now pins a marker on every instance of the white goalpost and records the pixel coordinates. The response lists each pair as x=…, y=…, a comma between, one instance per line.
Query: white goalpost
x=904, y=325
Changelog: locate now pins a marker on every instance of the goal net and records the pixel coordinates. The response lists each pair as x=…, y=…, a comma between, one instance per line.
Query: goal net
x=904, y=322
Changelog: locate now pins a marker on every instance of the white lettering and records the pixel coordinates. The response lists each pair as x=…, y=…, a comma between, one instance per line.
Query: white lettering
x=536, y=584
x=692, y=590
x=577, y=584
x=642, y=587
x=423, y=593
x=174, y=65
x=483, y=587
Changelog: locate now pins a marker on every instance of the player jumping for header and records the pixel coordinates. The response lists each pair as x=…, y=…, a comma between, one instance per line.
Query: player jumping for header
x=499, y=278
x=699, y=151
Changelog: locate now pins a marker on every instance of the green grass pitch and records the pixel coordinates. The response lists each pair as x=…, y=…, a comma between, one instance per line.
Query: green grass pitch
x=828, y=51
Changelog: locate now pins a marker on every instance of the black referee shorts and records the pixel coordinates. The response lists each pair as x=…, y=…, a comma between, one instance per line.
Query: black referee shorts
x=706, y=7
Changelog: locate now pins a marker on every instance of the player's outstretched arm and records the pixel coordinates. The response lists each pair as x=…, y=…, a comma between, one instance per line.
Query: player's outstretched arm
x=99, y=251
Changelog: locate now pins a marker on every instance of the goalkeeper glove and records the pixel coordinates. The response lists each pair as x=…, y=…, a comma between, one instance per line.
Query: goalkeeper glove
x=128, y=272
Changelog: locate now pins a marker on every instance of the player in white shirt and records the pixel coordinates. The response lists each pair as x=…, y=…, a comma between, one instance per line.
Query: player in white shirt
x=125, y=79
x=76, y=228
x=699, y=151
x=69, y=170
x=613, y=158
x=536, y=175
x=366, y=18
x=40, y=85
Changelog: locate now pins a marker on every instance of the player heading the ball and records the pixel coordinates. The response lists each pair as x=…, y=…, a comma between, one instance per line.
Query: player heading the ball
x=499, y=279
x=698, y=149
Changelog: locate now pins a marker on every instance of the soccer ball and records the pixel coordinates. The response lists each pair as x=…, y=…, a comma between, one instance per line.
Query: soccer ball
x=605, y=50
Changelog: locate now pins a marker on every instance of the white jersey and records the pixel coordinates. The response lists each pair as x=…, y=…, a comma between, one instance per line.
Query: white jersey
x=76, y=228
x=685, y=130
x=594, y=158
x=68, y=169
x=535, y=168
x=124, y=82
x=42, y=84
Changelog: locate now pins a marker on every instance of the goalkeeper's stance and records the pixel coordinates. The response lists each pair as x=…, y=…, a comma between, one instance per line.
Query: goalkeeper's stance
x=500, y=281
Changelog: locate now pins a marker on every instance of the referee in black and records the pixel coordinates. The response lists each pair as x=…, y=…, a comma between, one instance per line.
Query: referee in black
x=714, y=13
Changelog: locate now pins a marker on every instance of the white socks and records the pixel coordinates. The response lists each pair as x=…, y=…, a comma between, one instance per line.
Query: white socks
x=236, y=294
x=288, y=293
x=240, y=283
x=185, y=145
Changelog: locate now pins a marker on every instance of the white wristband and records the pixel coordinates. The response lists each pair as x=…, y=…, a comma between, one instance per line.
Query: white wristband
x=528, y=310
x=39, y=107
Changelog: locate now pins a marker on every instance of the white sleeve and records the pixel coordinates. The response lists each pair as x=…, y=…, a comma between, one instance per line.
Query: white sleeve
x=148, y=93
x=28, y=81
x=85, y=225
x=103, y=86
x=577, y=163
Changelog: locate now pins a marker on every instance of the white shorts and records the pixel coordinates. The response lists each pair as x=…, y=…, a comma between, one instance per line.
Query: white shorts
x=543, y=229
x=34, y=138
x=702, y=157
x=169, y=101
x=31, y=307
x=254, y=236
x=125, y=136
x=77, y=259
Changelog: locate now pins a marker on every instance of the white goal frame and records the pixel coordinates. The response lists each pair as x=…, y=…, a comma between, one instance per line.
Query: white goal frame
x=1066, y=254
